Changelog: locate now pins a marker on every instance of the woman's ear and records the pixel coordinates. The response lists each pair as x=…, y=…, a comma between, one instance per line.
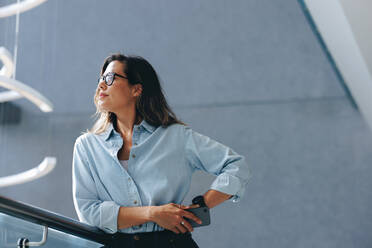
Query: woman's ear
x=137, y=89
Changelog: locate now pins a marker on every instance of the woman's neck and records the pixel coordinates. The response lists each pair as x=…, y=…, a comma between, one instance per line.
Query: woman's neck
x=125, y=126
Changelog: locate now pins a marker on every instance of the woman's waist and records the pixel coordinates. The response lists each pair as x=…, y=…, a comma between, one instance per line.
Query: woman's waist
x=143, y=228
x=143, y=236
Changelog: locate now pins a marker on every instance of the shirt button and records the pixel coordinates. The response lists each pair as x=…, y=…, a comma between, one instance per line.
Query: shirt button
x=138, y=128
x=135, y=202
x=133, y=155
x=136, y=237
x=128, y=179
x=135, y=144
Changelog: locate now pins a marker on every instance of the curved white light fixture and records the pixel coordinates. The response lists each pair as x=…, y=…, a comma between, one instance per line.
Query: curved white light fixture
x=10, y=95
x=17, y=88
x=20, y=7
x=6, y=59
x=34, y=96
x=41, y=170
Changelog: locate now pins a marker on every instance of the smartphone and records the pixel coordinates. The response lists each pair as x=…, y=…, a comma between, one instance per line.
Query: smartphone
x=202, y=213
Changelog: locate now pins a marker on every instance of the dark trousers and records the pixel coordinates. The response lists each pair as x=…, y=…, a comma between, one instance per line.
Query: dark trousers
x=162, y=239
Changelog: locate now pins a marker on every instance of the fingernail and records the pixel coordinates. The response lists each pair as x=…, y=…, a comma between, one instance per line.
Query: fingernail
x=199, y=222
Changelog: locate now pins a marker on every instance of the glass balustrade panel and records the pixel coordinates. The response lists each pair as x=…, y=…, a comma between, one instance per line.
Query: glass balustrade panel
x=12, y=229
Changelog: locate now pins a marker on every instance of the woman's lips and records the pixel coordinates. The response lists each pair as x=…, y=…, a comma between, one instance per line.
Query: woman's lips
x=102, y=95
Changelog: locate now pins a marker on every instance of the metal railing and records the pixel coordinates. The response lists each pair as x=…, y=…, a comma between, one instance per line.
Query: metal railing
x=52, y=220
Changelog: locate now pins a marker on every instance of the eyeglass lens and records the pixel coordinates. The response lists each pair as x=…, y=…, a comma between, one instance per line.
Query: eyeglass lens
x=108, y=78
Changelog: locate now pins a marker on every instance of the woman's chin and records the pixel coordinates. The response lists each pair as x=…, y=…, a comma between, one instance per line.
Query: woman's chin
x=102, y=106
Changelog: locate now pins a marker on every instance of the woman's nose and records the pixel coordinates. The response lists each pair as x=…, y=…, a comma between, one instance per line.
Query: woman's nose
x=102, y=84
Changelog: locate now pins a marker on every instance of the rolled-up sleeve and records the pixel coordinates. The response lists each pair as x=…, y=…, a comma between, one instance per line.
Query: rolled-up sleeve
x=90, y=209
x=206, y=154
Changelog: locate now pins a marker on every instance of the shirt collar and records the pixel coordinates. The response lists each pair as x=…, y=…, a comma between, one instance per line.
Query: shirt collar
x=110, y=129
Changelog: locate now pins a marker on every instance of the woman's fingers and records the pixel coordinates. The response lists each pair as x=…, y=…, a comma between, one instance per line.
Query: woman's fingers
x=191, y=216
x=187, y=225
x=175, y=230
x=195, y=206
x=178, y=211
x=181, y=227
x=187, y=207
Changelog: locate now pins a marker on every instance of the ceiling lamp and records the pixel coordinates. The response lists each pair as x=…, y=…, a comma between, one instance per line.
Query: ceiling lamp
x=17, y=88
x=41, y=170
x=20, y=7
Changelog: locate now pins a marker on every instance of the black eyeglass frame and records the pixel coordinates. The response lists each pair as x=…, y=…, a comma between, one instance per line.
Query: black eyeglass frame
x=113, y=74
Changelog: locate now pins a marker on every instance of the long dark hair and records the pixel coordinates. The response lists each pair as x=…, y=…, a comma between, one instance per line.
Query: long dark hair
x=151, y=105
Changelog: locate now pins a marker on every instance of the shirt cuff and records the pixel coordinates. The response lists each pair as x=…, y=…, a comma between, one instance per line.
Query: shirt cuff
x=236, y=198
x=109, y=211
x=229, y=184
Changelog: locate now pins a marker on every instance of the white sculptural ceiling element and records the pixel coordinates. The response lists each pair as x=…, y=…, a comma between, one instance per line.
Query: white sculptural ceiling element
x=20, y=90
x=17, y=88
x=20, y=7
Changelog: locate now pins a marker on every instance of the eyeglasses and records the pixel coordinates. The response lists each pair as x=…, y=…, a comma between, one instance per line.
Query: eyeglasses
x=109, y=78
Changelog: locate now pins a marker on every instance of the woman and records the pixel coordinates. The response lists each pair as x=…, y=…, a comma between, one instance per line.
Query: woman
x=132, y=170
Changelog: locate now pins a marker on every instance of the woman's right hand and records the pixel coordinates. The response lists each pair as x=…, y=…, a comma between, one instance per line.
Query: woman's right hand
x=171, y=215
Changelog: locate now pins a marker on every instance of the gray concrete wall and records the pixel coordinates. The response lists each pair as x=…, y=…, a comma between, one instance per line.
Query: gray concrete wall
x=249, y=74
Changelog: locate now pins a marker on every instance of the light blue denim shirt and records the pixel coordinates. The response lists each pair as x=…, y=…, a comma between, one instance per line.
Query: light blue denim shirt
x=160, y=168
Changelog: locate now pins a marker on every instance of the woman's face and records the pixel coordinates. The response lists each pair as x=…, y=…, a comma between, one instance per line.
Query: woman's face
x=120, y=94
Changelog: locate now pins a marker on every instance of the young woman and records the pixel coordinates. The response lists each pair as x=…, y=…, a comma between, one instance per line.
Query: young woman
x=133, y=169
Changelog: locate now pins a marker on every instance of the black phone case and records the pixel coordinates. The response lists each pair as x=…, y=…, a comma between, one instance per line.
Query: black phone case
x=202, y=213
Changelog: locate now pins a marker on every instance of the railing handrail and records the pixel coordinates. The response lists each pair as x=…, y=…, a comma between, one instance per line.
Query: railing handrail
x=59, y=222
